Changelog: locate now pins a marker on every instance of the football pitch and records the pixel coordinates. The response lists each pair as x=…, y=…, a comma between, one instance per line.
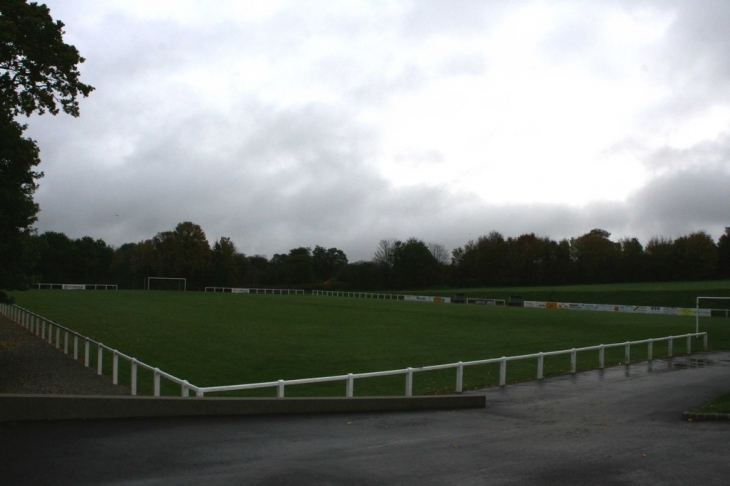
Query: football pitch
x=214, y=339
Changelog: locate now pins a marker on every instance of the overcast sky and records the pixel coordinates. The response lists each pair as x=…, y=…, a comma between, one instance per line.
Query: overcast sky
x=340, y=123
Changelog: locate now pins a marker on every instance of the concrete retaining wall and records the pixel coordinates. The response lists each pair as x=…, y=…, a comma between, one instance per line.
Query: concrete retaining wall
x=56, y=407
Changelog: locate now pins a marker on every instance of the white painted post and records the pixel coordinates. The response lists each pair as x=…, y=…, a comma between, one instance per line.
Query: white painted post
x=76, y=347
x=409, y=382
x=157, y=382
x=200, y=393
x=115, y=368
x=540, y=363
x=350, y=385
x=503, y=371
x=86, y=353
x=58, y=337
x=705, y=341
x=65, y=342
x=133, y=376
x=573, y=361
x=50, y=333
x=650, y=350
x=184, y=389
x=601, y=356
x=460, y=377
x=280, y=389
x=670, y=344
x=43, y=334
x=627, y=354
x=99, y=352
x=689, y=344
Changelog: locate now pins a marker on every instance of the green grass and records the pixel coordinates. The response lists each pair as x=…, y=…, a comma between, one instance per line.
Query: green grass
x=222, y=339
x=720, y=404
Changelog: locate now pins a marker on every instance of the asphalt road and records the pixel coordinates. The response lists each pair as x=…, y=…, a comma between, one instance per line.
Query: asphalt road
x=613, y=427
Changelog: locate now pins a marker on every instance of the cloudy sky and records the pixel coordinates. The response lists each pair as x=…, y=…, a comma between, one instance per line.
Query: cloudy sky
x=340, y=123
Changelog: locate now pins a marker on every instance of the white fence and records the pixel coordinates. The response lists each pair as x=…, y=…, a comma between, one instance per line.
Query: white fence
x=234, y=290
x=50, y=331
x=368, y=295
x=77, y=286
x=43, y=327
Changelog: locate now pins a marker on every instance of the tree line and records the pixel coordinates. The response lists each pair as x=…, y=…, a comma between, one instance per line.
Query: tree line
x=490, y=260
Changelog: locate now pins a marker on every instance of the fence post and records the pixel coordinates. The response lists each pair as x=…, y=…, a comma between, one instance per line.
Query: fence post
x=280, y=389
x=99, y=352
x=540, y=362
x=573, y=361
x=409, y=382
x=76, y=347
x=184, y=389
x=601, y=356
x=503, y=371
x=670, y=346
x=133, y=376
x=350, y=385
x=627, y=354
x=50, y=333
x=689, y=343
x=705, y=341
x=115, y=368
x=86, y=353
x=58, y=337
x=156, y=381
x=43, y=334
x=650, y=350
x=460, y=377
x=65, y=342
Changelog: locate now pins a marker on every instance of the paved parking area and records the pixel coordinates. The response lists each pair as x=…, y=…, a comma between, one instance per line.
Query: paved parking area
x=616, y=426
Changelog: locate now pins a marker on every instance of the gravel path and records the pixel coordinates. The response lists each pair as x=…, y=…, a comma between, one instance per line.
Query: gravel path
x=30, y=365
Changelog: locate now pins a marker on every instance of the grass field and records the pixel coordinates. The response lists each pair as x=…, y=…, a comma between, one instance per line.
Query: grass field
x=222, y=339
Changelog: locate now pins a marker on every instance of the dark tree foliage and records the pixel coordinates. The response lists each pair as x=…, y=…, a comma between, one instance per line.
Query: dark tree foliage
x=38, y=72
x=18, y=158
x=723, y=250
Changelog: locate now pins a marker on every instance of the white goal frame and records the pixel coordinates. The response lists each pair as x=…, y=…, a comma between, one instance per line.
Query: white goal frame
x=184, y=280
x=697, y=312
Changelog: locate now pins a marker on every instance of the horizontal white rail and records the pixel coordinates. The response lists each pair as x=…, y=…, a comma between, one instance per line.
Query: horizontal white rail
x=408, y=372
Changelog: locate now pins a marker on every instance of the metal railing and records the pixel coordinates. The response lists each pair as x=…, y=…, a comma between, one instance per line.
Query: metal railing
x=62, y=336
x=45, y=328
x=409, y=372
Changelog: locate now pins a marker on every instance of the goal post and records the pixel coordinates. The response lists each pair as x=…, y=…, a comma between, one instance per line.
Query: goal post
x=710, y=312
x=178, y=283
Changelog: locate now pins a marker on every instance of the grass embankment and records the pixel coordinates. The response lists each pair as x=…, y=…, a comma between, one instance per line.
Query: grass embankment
x=720, y=404
x=667, y=294
x=221, y=339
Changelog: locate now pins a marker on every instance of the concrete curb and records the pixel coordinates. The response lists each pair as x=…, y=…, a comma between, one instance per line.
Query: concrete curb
x=61, y=407
x=704, y=417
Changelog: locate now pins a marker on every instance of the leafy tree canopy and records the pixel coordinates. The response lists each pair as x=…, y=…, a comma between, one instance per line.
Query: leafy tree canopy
x=38, y=71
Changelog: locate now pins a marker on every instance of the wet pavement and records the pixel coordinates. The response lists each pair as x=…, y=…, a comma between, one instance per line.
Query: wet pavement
x=620, y=425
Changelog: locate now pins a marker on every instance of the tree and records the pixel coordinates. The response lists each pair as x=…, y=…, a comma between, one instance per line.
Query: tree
x=226, y=263
x=327, y=263
x=384, y=253
x=695, y=256
x=38, y=72
x=723, y=250
x=414, y=267
x=184, y=252
x=595, y=257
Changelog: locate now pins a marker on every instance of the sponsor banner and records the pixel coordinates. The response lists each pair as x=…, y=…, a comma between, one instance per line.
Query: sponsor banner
x=427, y=298
x=551, y=305
x=535, y=304
x=639, y=309
x=239, y=291
x=485, y=302
x=683, y=311
x=74, y=287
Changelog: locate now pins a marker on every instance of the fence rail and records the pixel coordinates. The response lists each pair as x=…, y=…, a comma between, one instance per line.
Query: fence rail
x=53, y=332
x=46, y=329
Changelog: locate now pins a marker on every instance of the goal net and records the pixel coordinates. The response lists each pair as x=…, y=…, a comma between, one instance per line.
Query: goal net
x=166, y=283
x=713, y=317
